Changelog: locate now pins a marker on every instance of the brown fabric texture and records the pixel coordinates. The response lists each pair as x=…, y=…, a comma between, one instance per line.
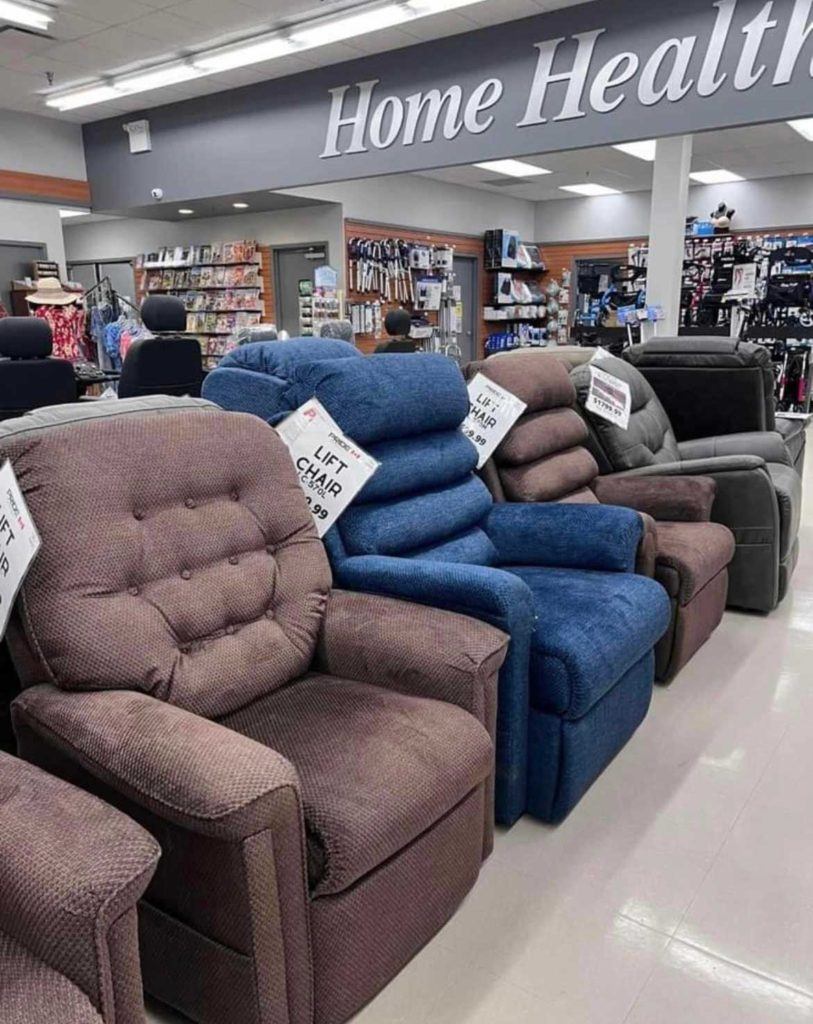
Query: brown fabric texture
x=542, y=433
x=648, y=548
x=549, y=479
x=695, y=553
x=536, y=378
x=694, y=624
x=217, y=587
x=376, y=767
x=678, y=499
x=70, y=867
x=31, y=992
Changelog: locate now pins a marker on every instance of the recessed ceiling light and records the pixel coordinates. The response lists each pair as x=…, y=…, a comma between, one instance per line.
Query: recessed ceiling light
x=70, y=212
x=590, y=188
x=644, y=150
x=513, y=168
x=803, y=127
x=240, y=206
x=720, y=176
x=22, y=14
x=186, y=212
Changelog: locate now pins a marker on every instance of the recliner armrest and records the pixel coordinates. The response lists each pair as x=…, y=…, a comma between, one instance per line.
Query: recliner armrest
x=566, y=536
x=767, y=444
x=697, y=467
x=682, y=499
x=182, y=767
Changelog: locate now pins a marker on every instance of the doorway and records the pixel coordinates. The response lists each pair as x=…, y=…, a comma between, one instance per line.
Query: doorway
x=467, y=278
x=15, y=263
x=294, y=266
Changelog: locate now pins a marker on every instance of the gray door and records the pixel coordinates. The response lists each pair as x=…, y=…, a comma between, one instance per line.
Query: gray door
x=466, y=271
x=15, y=262
x=291, y=266
x=121, y=277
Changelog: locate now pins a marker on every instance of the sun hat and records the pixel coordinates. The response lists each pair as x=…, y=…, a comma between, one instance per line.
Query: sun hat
x=51, y=293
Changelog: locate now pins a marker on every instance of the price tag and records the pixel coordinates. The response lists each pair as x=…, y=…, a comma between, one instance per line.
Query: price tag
x=331, y=468
x=609, y=397
x=492, y=414
x=19, y=542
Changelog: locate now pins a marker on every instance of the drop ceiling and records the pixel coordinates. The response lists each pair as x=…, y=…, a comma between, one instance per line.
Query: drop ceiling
x=91, y=38
x=759, y=151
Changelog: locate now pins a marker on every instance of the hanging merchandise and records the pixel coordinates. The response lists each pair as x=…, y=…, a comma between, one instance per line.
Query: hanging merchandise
x=64, y=313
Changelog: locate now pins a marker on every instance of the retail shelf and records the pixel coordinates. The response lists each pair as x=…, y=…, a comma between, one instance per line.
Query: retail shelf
x=205, y=288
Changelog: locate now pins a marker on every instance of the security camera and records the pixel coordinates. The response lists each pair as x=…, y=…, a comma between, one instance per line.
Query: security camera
x=157, y=193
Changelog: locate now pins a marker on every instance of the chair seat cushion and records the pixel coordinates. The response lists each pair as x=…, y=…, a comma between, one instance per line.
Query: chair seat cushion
x=591, y=628
x=788, y=486
x=377, y=768
x=690, y=555
x=33, y=993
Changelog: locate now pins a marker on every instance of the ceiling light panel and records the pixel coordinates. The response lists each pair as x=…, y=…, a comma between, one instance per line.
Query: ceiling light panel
x=803, y=127
x=336, y=30
x=24, y=14
x=513, y=168
x=719, y=176
x=83, y=97
x=158, y=78
x=590, y=188
x=242, y=56
x=642, y=150
x=68, y=213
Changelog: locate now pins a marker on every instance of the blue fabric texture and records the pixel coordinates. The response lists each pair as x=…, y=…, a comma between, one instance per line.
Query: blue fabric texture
x=280, y=358
x=582, y=625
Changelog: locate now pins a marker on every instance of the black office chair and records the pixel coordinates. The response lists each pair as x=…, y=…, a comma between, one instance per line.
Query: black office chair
x=29, y=377
x=171, y=363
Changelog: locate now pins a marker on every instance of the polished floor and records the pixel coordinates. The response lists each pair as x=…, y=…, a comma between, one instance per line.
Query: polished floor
x=680, y=891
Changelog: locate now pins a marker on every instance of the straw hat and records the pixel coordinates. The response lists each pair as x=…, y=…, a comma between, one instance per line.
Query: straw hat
x=51, y=293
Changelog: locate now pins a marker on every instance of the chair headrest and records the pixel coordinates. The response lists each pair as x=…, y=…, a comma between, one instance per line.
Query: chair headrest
x=163, y=314
x=25, y=337
x=342, y=330
x=278, y=359
x=536, y=377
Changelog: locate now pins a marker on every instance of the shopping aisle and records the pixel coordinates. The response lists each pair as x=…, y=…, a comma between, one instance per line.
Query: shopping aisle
x=680, y=889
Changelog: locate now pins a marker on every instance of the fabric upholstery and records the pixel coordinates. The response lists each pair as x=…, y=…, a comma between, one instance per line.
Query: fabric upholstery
x=687, y=499
x=788, y=487
x=424, y=529
x=218, y=585
x=70, y=869
x=29, y=378
x=690, y=555
x=767, y=444
x=166, y=365
x=25, y=337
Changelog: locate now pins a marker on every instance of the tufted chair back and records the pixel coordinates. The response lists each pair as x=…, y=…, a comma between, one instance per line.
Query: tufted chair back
x=406, y=410
x=544, y=457
x=649, y=441
x=178, y=571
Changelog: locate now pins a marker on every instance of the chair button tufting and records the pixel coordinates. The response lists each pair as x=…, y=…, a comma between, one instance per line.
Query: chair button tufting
x=235, y=496
x=190, y=503
x=234, y=560
x=270, y=549
x=186, y=574
x=231, y=630
x=132, y=591
x=139, y=515
x=270, y=613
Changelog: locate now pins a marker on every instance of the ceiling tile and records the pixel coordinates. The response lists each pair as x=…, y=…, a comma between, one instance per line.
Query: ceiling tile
x=108, y=12
x=219, y=15
x=67, y=26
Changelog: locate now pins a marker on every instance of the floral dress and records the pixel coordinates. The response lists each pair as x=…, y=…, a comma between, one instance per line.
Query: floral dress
x=68, y=328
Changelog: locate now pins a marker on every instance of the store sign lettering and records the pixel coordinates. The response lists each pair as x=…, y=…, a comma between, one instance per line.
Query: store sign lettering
x=361, y=119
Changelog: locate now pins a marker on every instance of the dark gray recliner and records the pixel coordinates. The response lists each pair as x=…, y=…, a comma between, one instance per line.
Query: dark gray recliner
x=759, y=493
x=714, y=387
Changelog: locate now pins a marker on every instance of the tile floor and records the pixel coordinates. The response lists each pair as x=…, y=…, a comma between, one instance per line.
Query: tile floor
x=680, y=891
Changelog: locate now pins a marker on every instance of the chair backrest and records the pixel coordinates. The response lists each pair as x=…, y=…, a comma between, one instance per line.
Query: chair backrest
x=179, y=556
x=425, y=501
x=166, y=365
x=29, y=377
x=648, y=441
x=709, y=386
x=544, y=457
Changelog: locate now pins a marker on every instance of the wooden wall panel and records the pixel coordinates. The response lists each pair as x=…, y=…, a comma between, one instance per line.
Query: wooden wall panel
x=21, y=185
x=267, y=277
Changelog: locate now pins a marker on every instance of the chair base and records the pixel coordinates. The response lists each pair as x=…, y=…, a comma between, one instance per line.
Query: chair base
x=692, y=625
x=566, y=757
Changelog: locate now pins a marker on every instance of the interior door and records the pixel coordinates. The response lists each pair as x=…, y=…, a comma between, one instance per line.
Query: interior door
x=466, y=270
x=291, y=266
x=15, y=262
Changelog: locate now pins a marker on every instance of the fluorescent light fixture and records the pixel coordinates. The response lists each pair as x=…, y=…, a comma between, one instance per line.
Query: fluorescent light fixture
x=323, y=32
x=241, y=56
x=158, y=78
x=68, y=213
x=308, y=35
x=512, y=168
x=83, y=97
x=803, y=127
x=22, y=14
x=590, y=188
x=717, y=177
x=185, y=212
x=240, y=206
x=644, y=150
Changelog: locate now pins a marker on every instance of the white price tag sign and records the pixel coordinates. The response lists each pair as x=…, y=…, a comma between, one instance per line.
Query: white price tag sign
x=19, y=542
x=492, y=414
x=609, y=397
x=331, y=468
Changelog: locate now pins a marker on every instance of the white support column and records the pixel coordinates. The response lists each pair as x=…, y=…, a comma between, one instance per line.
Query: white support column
x=667, y=230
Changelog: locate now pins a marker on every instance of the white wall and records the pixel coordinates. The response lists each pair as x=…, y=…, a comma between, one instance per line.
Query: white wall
x=408, y=200
x=41, y=145
x=33, y=222
x=762, y=204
